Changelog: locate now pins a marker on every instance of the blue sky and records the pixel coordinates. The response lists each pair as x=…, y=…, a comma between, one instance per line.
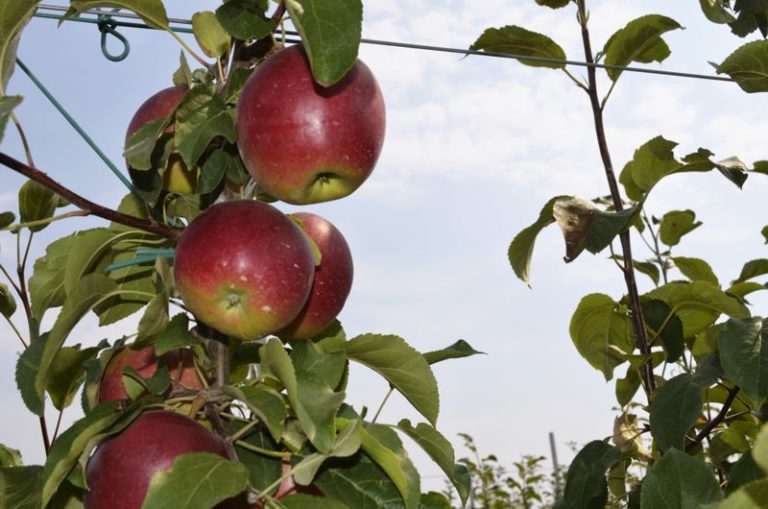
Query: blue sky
x=474, y=148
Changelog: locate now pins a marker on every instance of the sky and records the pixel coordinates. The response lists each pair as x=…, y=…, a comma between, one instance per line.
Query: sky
x=474, y=147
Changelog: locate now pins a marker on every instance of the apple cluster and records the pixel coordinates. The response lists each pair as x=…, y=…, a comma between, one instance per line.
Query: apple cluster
x=243, y=267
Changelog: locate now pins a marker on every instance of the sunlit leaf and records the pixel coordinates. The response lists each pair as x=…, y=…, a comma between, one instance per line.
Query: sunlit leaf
x=515, y=40
x=639, y=41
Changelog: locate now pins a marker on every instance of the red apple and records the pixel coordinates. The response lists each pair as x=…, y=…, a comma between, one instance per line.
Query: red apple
x=304, y=143
x=120, y=469
x=180, y=364
x=244, y=268
x=332, y=283
x=177, y=178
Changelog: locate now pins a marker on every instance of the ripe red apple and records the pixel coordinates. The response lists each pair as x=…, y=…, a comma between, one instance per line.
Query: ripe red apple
x=177, y=177
x=244, y=268
x=120, y=469
x=332, y=282
x=304, y=143
x=180, y=364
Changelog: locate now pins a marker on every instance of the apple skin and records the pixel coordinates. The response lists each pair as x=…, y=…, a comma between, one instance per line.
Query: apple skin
x=120, y=469
x=244, y=268
x=177, y=177
x=332, y=282
x=145, y=362
x=304, y=143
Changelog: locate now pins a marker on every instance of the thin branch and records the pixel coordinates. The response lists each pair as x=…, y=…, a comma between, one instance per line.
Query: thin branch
x=279, y=13
x=384, y=402
x=656, y=250
x=85, y=204
x=715, y=421
x=649, y=383
x=44, y=432
x=23, y=137
x=41, y=222
x=18, y=334
x=576, y=80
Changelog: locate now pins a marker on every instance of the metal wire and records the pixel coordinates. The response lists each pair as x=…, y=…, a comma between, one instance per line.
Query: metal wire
x=397, y=44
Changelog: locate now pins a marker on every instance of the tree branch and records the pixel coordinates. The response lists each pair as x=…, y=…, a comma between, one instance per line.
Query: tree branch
x=85, y=204
x=712, y=424
x=649, y=383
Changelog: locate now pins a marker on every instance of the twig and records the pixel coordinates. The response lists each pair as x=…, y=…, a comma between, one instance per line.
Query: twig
x=715, y=421
x=384, y=402
x=85, y=204
x=23, y=137
x=649, y=383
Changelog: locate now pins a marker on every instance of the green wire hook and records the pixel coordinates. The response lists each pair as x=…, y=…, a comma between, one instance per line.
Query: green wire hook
x=107, y=26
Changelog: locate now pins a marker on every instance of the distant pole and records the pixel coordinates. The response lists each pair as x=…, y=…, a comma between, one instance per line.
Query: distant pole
x=555, y=466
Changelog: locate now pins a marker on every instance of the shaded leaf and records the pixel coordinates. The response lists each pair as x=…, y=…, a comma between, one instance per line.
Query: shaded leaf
x=639, y=41
x=602, y=332
x=743, y=346
x=263, y=470
x=749, y=496
x=752, y=269
x=245, y=19
x=521, y=249
x=586, y=486
x=665, y=325
x=36, y=202
x=760, y=449
x=9, y=457
x=732, y=168
x=358, y=482
x=13, y=18
x=151, y=11
x=7, y=302
x=744, y=471
x=716, y=12
x=402, y=366
x=7, y=104
x=20, y=487
x=197, y=480
x=201, y=117
x=266, y=403
x=384, y=447
x=458, y=350
x=553, y=4
x=747, y=66
x=331, y=32
x=679, y=481
x=300, y=501
x=67, y=374
x=515, y=40
x=584, y=226
x=676, y=224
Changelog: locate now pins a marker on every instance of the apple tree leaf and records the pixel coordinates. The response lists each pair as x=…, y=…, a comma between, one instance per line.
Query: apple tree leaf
x=358, y=482
x=675, y=224
x=331, y=32
x=664, y=324
x=651, y=162
x=585, y=484
x=197, y=480
x=20, y=487
x=716, y=12
x=679, y=480
x=748, y=496
x=747, y=66
x=695, y=269
x=752, y=269
x=36, y=202
x=13, y=18
x=7, y=104
x=245, y=19
x=347, y=443
x=602, y=332
x=384, y=447
x=639, y=41
x=553, y=4
x=520, y=250
x=7, y=302
x=301, y=501
x=67, y=374
x=743, y=346
x=152, y=12
x=732, y=168
x=458, y=350
x=402, y=366
x=307, y=356
x=201, y=117
x=515, y=40
x=213, y=39
x=9, y=457
x=266, y=403
x=441, y=451
x=140, y=146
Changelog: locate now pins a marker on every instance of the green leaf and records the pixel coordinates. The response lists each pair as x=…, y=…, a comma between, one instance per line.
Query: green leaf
x=521, y=249
x=135, y=287
x=745, y=288
x=434, y=500
x=136, y=385
x=67, y=374
x=695, y=269
x=584, y=226
x=175, y=335
x=301, y=501
x=197, y=480
x=359, y=483
x=183, y=75
x=245, y=19
x=89, y=253
x=678, y=405
x=586, y=486
x=215, y=168
x=732, y=168
x=760, y=449
x=9, y=457
x=441, y=451
x=347, y=443
x=7, y=104
x=20, y=487
x=716, y=12
x=201, y=117
x=7, y=302
x=651, y=162
x=679, y=481
x=747, y=66
x=26, y=371
x=664, y=324
x=602, y=332
x=675, y=224
x=155, y=318
x=329, y=367
x=13, y=18
x=331, y=32
x=553, y=4
x=140, y=146
x=749, y=496
x=213, y=39
x=36, y=202
x=151, y=11
x=6, y=218
x=78, y=439
x=743, y=346
x=752, y=269
x=131, y=205
x=650, y=269
x=92, y=288
x=698, y=304
x=639, y=41
x=266, y=403
x=402, y=366
x=458, y=350
x=385, y=448
x=516, y=40
x=314, y=403
x=743, y=472
x=263, y=470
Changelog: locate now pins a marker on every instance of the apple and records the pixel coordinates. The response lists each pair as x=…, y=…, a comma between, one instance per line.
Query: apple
x=332, y=282
x=177, y=178
x=244, y=268
x=180, y=364
x=303, y=143
x=121, y=467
